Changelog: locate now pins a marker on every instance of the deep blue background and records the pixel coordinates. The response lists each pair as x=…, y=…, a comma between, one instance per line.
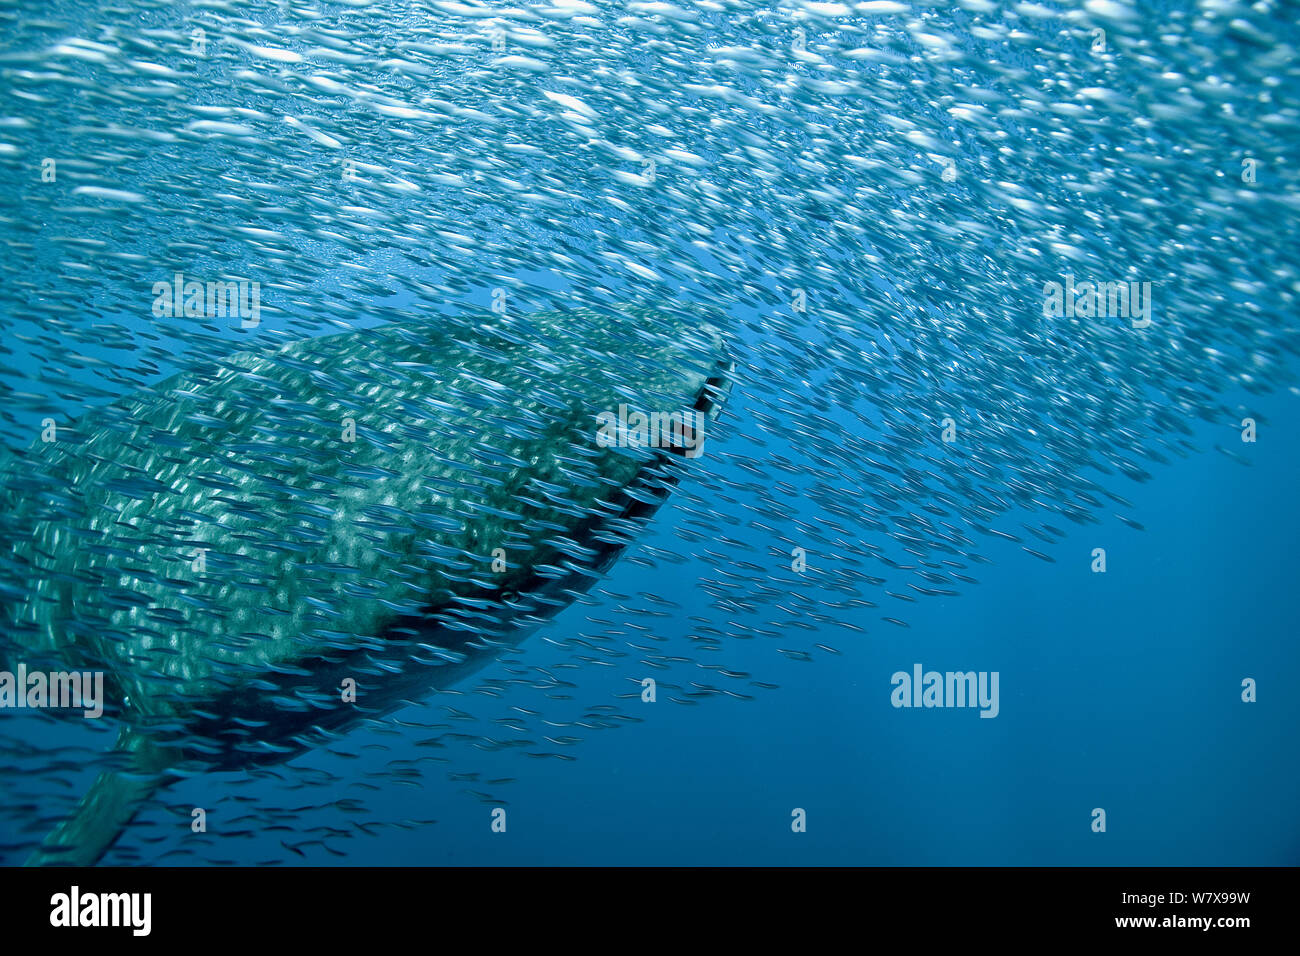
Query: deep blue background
x=1118, y=690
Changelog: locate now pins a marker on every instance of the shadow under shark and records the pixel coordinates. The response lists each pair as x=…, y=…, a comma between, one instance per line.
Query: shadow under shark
x=231, y=547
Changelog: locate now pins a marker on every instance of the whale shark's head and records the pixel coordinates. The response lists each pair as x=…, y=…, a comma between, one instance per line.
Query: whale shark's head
x=655, y=378
x=392, y=505
x=554, y=439
x=608, y=405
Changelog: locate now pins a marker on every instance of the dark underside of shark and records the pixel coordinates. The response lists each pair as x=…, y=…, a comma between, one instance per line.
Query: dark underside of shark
x=262, y=555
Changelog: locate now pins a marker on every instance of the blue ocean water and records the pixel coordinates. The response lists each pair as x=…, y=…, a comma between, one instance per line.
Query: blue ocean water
x=1119, y=691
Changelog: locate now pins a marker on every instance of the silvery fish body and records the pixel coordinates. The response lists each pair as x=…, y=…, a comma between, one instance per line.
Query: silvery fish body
x=273, y=550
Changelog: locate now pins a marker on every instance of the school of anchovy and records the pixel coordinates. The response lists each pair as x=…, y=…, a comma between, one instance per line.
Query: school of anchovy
x=868, y=199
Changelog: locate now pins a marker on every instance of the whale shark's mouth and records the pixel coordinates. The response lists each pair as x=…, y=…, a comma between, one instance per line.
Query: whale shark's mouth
x=610, y=533
x=713, y=395
x=686, y=437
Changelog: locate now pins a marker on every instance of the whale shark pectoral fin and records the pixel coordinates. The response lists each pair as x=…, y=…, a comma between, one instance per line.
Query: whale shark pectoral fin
x=104, y=812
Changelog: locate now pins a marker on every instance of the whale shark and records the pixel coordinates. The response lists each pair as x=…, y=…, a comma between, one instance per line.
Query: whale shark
x=260, y=554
